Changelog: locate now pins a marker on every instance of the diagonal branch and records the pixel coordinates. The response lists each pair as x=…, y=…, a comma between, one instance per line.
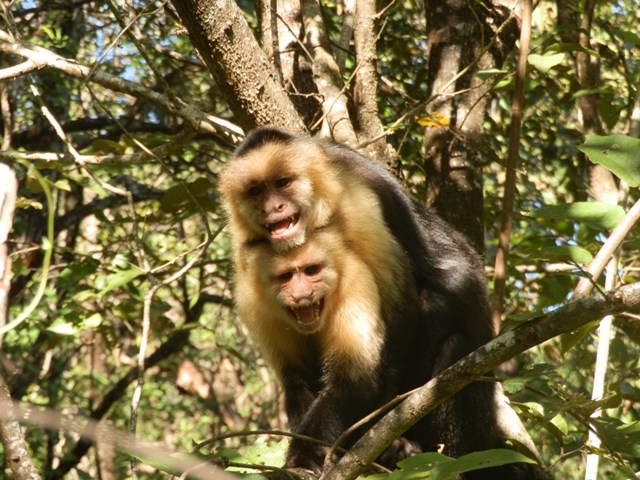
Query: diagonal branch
x=241, y=69
x=474, y=365
x=42, y=58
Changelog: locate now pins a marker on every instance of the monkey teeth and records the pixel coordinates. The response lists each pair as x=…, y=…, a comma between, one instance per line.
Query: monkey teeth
x=284, y=229
x=307, y=317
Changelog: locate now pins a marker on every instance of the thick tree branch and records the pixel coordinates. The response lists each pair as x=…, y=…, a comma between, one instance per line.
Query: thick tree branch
x=201, y=121
x=474, y=365
x=366, y=85
x=327, y=75
x=14, y=446
x=226, y=44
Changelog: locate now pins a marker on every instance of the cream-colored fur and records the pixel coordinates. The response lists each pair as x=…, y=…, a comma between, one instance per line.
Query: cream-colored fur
x=325, y=194
x=351, y=338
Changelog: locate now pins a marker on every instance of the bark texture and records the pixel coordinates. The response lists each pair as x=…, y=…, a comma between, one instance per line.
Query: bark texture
x=227, y=46
x=464, y=37
x=574, y=26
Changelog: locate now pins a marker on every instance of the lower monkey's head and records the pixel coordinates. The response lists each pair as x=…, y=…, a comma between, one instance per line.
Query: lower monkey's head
x=303, y=282
x=279, y=187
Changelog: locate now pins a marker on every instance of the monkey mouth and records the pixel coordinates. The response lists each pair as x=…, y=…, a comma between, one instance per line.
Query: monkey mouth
x=285, y=228
x=308, y=318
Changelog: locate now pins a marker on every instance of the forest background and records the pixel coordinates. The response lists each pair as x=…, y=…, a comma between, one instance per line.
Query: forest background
x=116, y=300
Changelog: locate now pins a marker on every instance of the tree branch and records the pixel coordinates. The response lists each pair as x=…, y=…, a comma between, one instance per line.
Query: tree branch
x=618, y=234
x=506, y=217
x=473, y=366
x=15, y=448
x=42, y=58
x=365, y=89
x=327, y=75
x=130, y=158
x=226, y=44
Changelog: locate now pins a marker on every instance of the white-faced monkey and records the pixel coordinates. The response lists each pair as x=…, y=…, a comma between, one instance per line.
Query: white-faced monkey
x=281, y=191
x=316, y=313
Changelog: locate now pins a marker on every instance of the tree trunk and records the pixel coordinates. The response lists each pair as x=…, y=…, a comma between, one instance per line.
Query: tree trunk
x=227, y=46
x=462, y=36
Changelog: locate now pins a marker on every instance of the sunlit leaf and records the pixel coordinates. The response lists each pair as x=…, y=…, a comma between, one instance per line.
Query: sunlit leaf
x=618, y=153
x=571, y=47
x=120, y=279
x=564, y=253
x=63, y=327
x=478, y=460
x=561, y=424
x=599, y=215
x=544, y=63
x=92, y=321
x=433, y=120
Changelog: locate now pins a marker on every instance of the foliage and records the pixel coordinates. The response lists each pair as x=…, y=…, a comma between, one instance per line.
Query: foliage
x=125, y=225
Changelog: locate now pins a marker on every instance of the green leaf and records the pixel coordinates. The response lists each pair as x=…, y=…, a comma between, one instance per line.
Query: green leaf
x=599, y=215
x=71, y=276
x=618, y=153
x=563, y=253
x=544, y=63
x=418, y=466
x=478, y=460
x=63, y=327
x=120, y=279
x=572, y=47
x=571, y=339
x=92, y=321
x=436, y=466
x=561, y=424
x=103, y=146
x=627, y=36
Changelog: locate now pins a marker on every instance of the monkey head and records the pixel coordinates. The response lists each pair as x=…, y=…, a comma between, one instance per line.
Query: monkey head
x=279, y=187
x=300, y=282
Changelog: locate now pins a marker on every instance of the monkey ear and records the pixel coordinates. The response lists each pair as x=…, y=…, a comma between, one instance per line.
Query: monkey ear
x=261, y=136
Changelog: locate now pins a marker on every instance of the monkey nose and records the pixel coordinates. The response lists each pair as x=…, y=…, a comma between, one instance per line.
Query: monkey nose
x=302, y=301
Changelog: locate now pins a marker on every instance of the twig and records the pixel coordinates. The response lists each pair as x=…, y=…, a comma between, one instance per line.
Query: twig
x=506, y=218
x=618, y=234
x=43, y=58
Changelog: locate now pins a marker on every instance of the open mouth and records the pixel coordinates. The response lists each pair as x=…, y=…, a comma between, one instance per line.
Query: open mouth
x=285, y=228
x=307, y=318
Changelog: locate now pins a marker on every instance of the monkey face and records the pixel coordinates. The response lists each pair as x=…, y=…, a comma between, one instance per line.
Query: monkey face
x=279, y=192
x=302, y=285
x=276, y=207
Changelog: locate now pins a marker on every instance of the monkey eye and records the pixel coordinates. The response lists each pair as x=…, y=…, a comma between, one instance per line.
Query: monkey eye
x=312, y=270
x=254, y=191
x=285, y=277
x=283, y=182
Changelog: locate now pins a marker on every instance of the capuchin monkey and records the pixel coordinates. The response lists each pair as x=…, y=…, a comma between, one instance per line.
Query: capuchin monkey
x=280, y=190
x=337, y=345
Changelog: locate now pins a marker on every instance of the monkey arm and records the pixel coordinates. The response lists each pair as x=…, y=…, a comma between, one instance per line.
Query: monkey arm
x=341, y=401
